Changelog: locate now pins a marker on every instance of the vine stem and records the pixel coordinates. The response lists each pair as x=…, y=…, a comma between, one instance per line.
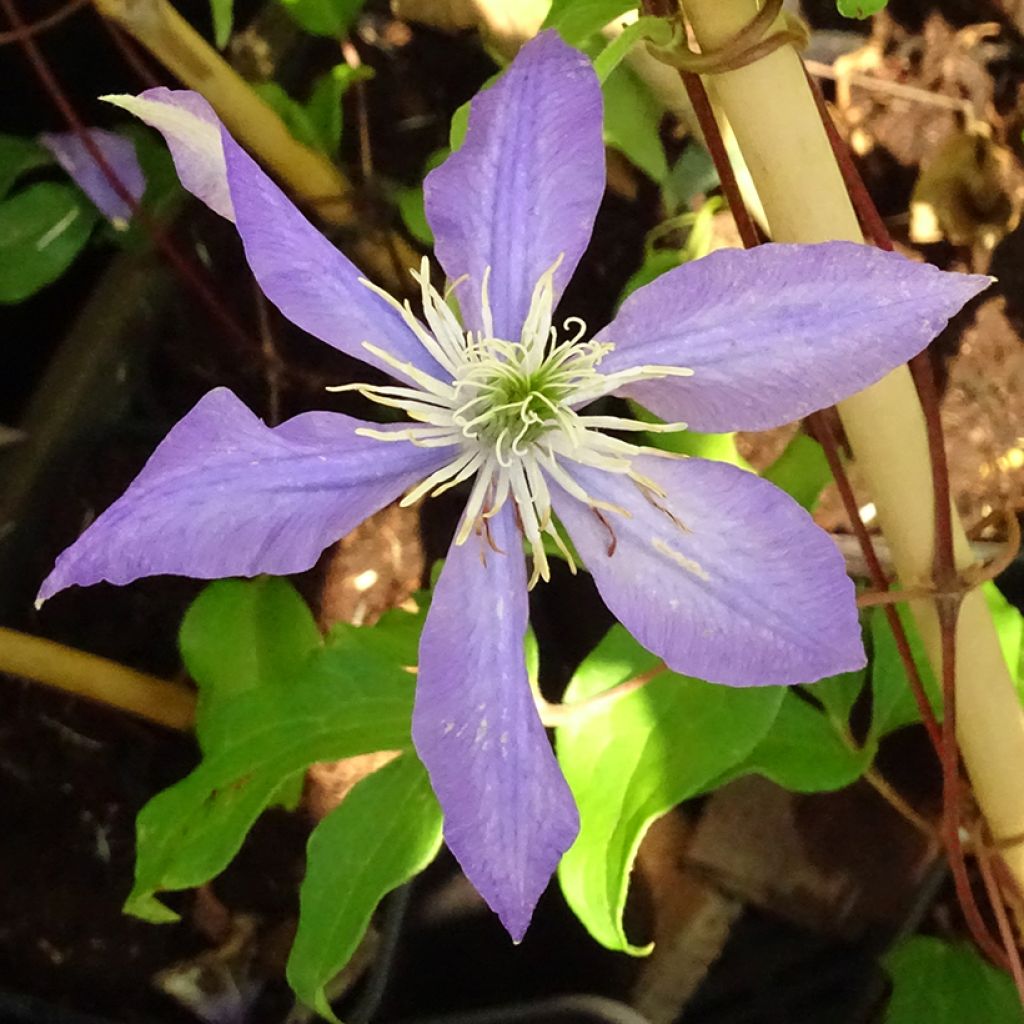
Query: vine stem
x=779, y=130
x=99, y=679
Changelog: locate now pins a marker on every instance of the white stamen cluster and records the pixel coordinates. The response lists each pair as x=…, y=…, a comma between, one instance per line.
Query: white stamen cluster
x=509, y=409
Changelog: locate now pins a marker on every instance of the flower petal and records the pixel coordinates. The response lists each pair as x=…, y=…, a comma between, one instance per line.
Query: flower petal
x=779, y=331
x=726, y=578
x=192, y=132
x=509, y=815
x=225, y=495
x=71, y=153
x=301, y=272
x=525, y=185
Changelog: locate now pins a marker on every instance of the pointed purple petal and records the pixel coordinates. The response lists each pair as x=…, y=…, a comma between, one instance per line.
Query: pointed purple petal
x=300, y=271
x=737, y=585
x=225, y=495
x=71, y=153
x=525, y=185
x=779, y=331
x=192, y=132
x=509, y=815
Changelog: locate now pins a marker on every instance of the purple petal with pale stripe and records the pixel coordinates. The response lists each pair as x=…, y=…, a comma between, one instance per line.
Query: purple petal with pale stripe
x=192, y=132
x=779, y=331
x=73, y=155
x=508, y=813
x=225, y=495
x=301, y=272
x=726, y=578
x=525, y=185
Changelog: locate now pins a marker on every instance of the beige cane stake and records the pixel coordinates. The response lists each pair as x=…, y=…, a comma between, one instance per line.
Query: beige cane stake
x=771, y=110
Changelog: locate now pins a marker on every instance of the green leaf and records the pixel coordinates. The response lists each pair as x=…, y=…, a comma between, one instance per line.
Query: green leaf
x=410, y=201
x=223, y=12
x=1010, y=628
x=42, y=229
x=859, y=8
x=801, y=471
x=804, y=752
x=838, y=694
x=242, y=635
x=293, y=113
x=632, y=122
x=645, y=29
x=578, y=20
x=331, y=18
x=935, y=982
x=384, y=832
x=637, y=758
x=18, y=156
x=352, y=696
x=323, y=109
x=893, y=704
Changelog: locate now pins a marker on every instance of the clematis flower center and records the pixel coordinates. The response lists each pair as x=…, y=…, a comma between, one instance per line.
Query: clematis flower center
x=509, y=411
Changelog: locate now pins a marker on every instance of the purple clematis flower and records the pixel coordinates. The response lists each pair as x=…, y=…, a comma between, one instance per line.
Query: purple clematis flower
x=73, y=155
x=710, y=567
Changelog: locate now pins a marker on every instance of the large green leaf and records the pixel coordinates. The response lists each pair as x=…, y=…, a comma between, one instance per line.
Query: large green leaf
x=935, y=982
x=351, y=696
x=18, y=156
x=636, y=759
x=331, y=18
x=42, y=229
x=577, y=20
x=384, y=832
x=242, y=635
x=804, y=751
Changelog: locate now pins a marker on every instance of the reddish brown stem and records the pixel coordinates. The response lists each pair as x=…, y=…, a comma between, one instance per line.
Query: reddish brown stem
x=951, y=796
x=25, y=31
x=822, y=432
x=716, y=147
x=867, y=213
x=1002, y=919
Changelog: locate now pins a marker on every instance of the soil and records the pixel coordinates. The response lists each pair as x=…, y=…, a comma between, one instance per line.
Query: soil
x=73, y=776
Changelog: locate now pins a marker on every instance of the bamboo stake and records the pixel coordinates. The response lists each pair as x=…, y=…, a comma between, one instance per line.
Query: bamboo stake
x=164, y=32
x=774, y=117
x=86, y=675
